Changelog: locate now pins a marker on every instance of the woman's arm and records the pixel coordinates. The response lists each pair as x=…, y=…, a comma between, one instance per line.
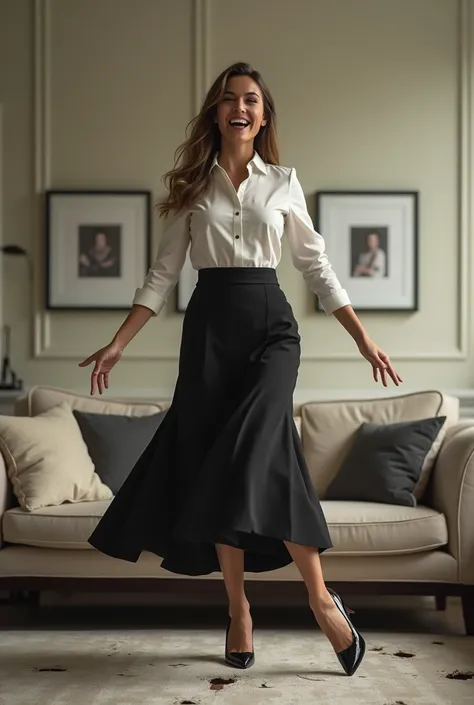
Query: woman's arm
x=164, y=273
x=160, y=280
x=134, y=322
x=308, y=253
x=148, y=300
x=379, y=360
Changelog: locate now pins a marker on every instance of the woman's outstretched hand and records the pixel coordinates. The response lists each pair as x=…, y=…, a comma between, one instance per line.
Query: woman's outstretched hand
x=380, y=361
x=104, y=360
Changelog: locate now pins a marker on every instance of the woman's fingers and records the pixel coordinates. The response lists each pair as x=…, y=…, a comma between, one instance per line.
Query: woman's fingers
x=95, y=376
x=87, y=361
x=391, y=371
x=383, y=365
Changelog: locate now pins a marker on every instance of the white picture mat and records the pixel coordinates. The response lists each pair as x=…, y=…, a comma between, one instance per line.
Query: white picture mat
x=67, y=213
x=339, y=213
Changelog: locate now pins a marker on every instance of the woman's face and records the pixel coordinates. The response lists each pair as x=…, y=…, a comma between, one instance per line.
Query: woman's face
x=372, y=241
x=240, y=113
x=100, y=241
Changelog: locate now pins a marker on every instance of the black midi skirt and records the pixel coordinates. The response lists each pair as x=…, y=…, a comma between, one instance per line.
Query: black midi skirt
x=226, y=464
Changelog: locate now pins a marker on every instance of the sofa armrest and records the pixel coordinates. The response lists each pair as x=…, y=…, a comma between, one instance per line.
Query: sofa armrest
x=5, y=493
x=453, y=494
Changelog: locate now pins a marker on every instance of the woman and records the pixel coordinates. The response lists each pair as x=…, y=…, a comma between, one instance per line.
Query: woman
x=223, y=485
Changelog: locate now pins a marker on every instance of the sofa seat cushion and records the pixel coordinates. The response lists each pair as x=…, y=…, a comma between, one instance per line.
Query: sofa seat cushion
x=63, y=526
x=357, y=528
x=372, y=528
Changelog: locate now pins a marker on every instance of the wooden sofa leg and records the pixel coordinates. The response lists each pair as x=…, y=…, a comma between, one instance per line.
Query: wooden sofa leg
x=467, y=597
x=440, y=602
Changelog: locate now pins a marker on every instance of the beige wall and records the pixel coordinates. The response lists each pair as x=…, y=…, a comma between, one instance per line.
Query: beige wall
x=97, y=93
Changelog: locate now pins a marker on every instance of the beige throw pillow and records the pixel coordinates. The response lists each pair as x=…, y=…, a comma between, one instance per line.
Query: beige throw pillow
x=47, y=460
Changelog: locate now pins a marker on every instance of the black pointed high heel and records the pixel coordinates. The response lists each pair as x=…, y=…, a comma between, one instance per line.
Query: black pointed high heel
x=351, y=658
x=238, y=659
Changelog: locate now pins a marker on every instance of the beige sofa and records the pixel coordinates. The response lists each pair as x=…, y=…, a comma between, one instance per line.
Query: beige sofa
x=378, y=548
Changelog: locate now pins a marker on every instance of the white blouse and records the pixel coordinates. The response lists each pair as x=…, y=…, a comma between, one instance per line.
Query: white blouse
x=243, y=228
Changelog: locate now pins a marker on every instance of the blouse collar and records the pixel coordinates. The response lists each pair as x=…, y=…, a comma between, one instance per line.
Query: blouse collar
x=256, y=162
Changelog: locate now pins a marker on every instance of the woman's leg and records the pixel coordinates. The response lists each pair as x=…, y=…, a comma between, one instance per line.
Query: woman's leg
x=329, y=618
x=232, y=565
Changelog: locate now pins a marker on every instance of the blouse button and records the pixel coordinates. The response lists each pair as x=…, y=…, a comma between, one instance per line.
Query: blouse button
x=237, y=213
x=237, y=237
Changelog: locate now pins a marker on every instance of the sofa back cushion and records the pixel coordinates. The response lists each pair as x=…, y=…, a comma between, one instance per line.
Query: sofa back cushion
x=328, y=429
x=41, y=398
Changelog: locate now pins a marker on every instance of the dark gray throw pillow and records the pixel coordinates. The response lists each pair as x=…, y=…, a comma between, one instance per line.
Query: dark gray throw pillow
x=385, y=462
x=116, y=442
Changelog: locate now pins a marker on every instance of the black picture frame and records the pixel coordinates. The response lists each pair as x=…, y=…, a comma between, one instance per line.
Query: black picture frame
x=343, y=246
x=97, y=247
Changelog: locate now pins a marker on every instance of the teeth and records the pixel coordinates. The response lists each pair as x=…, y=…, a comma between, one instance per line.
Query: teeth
x=243, y=123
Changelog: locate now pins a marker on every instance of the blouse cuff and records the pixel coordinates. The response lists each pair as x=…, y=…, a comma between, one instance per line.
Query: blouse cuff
x=149, y=298
x=336, y=300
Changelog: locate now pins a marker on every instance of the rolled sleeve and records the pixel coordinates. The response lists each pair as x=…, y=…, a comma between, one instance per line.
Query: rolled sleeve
x=308, y=251
x=169, y=261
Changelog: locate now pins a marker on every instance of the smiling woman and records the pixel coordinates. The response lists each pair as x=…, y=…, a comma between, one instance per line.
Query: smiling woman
x=223, y=484
x=239, y=93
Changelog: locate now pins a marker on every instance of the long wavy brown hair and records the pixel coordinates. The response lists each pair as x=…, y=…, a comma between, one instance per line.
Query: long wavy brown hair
x=189, y=179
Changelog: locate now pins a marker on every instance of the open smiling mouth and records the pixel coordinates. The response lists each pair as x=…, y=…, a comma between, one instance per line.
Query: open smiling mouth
x=239, y=124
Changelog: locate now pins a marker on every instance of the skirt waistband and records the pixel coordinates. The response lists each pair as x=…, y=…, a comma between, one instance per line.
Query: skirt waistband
x=221, y=276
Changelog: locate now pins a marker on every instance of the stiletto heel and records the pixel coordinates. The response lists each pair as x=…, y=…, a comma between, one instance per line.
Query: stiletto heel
x=238, y=659
x=351, y=658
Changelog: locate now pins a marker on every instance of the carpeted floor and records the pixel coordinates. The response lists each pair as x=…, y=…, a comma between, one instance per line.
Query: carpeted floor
x=86, y=658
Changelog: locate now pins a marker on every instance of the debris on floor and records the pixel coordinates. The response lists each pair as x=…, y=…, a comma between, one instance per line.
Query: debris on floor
x=461, y=675
x=51, y=669
x=219, y=683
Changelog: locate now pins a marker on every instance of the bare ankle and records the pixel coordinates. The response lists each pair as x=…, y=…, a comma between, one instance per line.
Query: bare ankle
x=321, y=601
x=239, y=608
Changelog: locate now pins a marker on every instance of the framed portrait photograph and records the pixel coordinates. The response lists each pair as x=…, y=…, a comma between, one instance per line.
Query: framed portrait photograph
x=97, y=248
x=372, y=243
x=185, y=286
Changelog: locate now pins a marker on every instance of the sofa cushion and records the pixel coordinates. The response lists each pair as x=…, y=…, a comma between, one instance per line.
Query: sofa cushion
x=115, y=442
x=47, y=460
x=384, y=463
x=328, y=427
x=358, y=528
x=430, y=566
x=42, y=398
x=365, y=528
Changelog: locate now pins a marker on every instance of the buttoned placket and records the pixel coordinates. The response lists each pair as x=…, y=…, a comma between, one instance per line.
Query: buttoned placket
x=237, y=217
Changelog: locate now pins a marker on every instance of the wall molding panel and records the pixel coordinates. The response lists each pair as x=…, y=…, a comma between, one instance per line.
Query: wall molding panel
x=42, y=321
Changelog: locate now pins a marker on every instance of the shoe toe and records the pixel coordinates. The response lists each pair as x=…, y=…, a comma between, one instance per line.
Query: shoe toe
x=240, y=659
